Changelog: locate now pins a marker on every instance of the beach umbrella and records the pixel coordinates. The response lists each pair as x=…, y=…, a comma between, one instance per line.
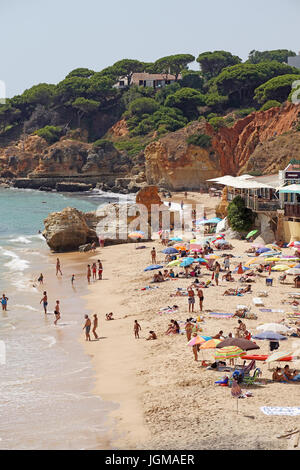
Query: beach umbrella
x=280, y=267
x=176, y=239
x=253, y=261
x=293, y=271
x=170, y=251
x=212, y=257
x=264, y=249
x=275, y=327
x=272, y=259
x=136, y=235
x=250, y=234
x=270, y=254
x=153, y=267
x=180, y=247
x=278, y=355
x=201, y=260
x=244, y=269
x=174, y=263
x=196, y=340
x=241, y=343
x=187, y=262
x=229, y=352
x=270, y=335
x=211, y=344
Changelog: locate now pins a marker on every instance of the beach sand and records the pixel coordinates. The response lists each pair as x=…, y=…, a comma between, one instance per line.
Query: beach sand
x=166, y=399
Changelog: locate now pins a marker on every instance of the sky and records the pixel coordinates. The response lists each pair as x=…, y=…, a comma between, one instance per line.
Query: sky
x=43, y=40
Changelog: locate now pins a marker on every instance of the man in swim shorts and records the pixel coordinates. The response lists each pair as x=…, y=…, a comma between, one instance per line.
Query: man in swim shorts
x=45, y=302
x=57, y=312
x=191, y=299
x=87, y=327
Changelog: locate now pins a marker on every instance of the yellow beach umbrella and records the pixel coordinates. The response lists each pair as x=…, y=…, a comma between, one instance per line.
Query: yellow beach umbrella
x=253, y=261
x=280, y=267
x=176, y=262
x=273, y=247
x=211, y=344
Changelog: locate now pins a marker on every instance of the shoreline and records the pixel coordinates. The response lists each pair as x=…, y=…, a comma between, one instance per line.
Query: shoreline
x=165, y=399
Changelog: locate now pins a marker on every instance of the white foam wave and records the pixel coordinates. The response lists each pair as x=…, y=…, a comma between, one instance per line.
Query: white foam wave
x=21, y=239
x=111, y=195
x=50, y=340
x=16, y=263
x=27, y=307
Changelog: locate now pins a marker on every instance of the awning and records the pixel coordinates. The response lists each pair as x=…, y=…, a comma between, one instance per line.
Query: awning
x=240, y=182
x=292, y=188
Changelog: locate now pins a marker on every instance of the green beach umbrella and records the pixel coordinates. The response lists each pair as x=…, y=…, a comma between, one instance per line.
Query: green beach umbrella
x=250, y=234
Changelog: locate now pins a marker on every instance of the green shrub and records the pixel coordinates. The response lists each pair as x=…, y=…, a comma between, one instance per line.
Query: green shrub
x=217, y=122
x=201, y=140
x=103, y=144
x=50, y=133
x=270, y=104
x=241, y=113
x=239, y=216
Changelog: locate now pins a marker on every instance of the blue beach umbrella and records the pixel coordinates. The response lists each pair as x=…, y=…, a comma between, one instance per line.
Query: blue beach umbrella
x=263, y=250
x=170, y=251
x=187, y=262
x=153, y=267
x=176, y=239
x=201, y=260
x=270, y=335
x=244, y=269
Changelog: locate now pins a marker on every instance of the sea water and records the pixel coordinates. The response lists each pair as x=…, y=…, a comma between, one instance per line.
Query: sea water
x=46, y=383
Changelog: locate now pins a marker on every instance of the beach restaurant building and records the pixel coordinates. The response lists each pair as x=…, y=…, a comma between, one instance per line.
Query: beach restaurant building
x=274, y=198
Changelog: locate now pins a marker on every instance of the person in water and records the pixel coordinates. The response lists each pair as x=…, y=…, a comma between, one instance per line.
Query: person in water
x=4, y=300
x=45, y=302
x=57, y=312
x=87, y=328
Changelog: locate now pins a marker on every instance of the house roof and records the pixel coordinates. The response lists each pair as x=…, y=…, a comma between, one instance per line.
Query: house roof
x=136, y=77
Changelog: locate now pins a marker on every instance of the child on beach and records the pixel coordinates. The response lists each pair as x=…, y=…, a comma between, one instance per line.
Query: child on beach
x=41, y=279
x=95, y=326
x=94, y=270
x=58, y=270
x=100, y=270
x=4, y=300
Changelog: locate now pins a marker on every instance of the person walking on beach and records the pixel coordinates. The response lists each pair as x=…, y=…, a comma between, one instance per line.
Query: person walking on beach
x=4, y=300
x=227, y=263
x=191, y=299
x=153, y=255
x=57, y=312
x=41, y=279
x=201, y=298
x=58, y=269
x=89, y=273
x=72, y=279
x=45, y=302
x=94, y=269
x=196, y=348
x=87, y=328
x=95, y=326
x=136, y=328
x=100, y=270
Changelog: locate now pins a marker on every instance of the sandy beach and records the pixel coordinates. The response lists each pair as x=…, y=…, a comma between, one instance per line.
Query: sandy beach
x=165, y=399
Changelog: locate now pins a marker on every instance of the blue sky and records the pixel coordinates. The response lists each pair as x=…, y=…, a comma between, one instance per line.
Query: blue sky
x=43, y=40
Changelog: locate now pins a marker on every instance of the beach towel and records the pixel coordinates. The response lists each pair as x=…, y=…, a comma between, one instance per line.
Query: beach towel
x=257, y=301
x=271, y=310
x=281, y=411
x=220, y=315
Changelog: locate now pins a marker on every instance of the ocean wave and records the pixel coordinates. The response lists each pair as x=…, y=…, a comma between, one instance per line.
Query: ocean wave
x=20, y=239
x=96, y=193
x=27, y=307
x=16, y=263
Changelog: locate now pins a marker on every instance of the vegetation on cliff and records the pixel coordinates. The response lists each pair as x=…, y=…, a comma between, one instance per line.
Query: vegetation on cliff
x=224, y=90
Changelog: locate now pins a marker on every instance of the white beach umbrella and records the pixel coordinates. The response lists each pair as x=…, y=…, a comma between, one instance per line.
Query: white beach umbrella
x=275, y=327
x=293, y=271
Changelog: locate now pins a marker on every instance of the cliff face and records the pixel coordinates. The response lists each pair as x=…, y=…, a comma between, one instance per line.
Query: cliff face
x=174, y=164
x=236, y=144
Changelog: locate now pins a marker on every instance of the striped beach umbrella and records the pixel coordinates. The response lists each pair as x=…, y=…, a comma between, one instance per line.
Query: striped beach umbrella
x=229, y=352
x=279, y=355
x=196, y=340
x=137, y=235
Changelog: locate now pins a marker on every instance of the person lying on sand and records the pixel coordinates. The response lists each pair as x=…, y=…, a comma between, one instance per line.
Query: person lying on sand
x=277, y=375
x=109, y=316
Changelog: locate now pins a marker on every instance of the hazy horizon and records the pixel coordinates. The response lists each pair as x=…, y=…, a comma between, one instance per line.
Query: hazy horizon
x=45, y=40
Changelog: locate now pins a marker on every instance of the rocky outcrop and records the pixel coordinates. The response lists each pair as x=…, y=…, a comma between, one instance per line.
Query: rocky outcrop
x=235, y=145
x=174, y=164
x=67, y=230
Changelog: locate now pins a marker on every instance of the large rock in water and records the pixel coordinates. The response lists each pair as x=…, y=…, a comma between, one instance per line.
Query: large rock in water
x=66, y=230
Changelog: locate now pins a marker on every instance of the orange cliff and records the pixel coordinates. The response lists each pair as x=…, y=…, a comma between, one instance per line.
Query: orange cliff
x=235, y=145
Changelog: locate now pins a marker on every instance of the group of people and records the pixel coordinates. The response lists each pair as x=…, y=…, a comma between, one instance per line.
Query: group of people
x=137, y=328
x=92, y=271
x=285, y=376
x=191, y=299
x=87, y=327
